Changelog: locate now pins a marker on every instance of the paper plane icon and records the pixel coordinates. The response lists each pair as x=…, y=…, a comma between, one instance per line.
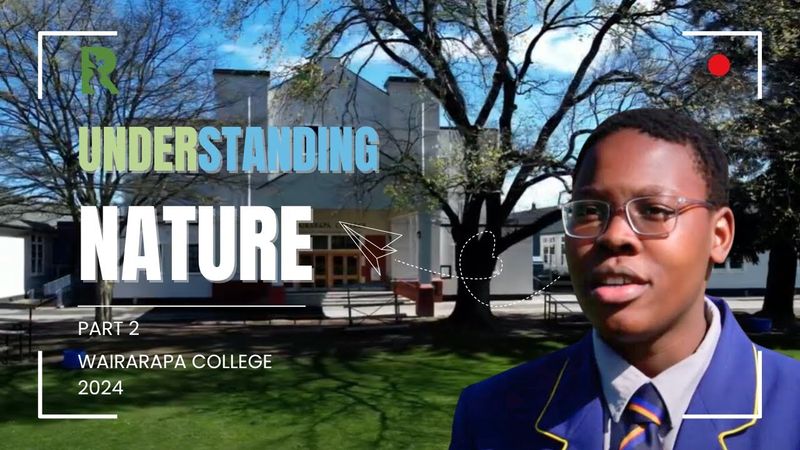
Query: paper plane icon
x=372, y=252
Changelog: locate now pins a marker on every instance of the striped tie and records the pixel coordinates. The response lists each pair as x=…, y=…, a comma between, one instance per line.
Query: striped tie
x=643, y=417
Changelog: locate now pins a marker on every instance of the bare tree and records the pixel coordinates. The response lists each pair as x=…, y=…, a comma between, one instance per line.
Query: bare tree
x=162, y=74
x=476, y=57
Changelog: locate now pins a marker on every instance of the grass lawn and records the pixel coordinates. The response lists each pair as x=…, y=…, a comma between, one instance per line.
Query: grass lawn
x=321, y=393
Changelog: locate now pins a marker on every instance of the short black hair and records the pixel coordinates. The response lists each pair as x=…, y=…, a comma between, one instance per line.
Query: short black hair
x=675, y=127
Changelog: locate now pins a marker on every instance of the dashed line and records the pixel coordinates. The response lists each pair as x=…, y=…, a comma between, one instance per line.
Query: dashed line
x=494, y=274
x=530, y=297
x=458, y=270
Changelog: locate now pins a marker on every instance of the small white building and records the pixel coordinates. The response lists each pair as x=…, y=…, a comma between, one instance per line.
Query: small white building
x=26, y=254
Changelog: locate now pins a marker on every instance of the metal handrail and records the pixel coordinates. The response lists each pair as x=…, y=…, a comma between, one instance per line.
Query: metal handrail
x=59, y=284
x=350, y=307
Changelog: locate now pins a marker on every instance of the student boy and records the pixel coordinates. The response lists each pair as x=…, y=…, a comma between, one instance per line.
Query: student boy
x=665, y=366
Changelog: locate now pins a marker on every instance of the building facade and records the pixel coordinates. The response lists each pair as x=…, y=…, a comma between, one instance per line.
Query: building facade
x=27, y=256
x=407, y=119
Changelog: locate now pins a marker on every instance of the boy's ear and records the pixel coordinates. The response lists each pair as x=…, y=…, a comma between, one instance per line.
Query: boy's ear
x=722, y=238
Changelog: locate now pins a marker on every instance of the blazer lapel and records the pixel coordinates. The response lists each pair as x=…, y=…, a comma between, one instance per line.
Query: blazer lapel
x=727, y=388
x=573, y=414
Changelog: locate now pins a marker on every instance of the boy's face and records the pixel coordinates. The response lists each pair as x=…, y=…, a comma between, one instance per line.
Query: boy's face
x=665, y=276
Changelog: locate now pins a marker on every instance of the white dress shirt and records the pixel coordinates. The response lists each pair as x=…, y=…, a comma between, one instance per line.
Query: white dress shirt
x=676, y=385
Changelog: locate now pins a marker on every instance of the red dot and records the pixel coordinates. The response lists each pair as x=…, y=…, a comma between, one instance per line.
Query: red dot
x=719, y=65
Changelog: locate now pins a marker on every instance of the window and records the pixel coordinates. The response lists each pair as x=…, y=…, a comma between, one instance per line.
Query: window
x=193, y=259
x=37, y=255
x=549, y=250
x=563, y=252
x=342, y=242
x=319, y=242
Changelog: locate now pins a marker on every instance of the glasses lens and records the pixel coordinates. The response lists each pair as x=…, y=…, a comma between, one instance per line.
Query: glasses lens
x=585, y=218
x=653, y=215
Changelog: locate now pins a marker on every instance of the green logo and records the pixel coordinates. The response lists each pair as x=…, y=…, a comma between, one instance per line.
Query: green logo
x=104, y=63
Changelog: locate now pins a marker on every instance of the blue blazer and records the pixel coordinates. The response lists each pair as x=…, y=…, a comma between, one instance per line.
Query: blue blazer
x=556, y=402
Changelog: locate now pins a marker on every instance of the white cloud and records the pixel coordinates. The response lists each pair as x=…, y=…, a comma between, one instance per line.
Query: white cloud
x=374, y=53
x=560, y=50
x=645, y=5
x=251, y=54
x=543, y=194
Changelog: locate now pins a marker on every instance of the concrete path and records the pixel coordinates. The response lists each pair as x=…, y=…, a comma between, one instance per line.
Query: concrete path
x=535, y=306
x=333, y=306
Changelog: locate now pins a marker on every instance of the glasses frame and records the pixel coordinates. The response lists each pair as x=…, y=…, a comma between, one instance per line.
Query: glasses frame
x=683, y=204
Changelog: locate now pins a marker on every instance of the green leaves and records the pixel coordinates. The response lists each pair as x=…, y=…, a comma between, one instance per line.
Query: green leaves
x=305, y=81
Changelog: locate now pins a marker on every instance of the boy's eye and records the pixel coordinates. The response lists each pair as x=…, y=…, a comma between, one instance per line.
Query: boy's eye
x=654, y=211
x=587, y=212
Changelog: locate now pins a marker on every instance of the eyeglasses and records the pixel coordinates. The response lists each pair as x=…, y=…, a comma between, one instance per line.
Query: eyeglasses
x=651, y=216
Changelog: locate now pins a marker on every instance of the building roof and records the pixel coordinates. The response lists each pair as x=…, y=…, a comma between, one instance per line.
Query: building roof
x=12, y=217
x=553, y=228
x=359, y=79
x=401, y=79
x=242, y=72
x=529, y=216
x=523, y=218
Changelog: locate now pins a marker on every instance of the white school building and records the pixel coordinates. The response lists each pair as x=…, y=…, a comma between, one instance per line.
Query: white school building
x=406, y=116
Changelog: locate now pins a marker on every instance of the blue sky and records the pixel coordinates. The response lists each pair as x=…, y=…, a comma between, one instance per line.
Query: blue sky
x=559, y=54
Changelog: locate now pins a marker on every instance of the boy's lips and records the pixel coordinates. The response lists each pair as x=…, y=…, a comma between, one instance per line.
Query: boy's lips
x=617, y=285
x=618, y=294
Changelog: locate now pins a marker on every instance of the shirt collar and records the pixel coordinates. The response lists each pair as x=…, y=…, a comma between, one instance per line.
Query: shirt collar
x=676, y=385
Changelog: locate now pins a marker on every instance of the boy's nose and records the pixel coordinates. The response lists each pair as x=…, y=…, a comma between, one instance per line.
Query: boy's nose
x=619, y=236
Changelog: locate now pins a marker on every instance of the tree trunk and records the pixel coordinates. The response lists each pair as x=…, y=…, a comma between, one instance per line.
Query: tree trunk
x=474, y=268
x=103, y=293
x=782, y=270
x=472, y=311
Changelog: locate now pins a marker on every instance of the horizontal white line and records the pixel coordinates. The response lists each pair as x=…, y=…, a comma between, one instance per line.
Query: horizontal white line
x=722, y=33
x=756, y=34
x=720, y=416
x=79, y=416
x=77, y=33
x=192, y=306
x=40, y=403
x=42, y=34
x=759, y=398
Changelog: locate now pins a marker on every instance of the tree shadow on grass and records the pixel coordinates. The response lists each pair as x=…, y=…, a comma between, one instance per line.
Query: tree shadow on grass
x=370, y=388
